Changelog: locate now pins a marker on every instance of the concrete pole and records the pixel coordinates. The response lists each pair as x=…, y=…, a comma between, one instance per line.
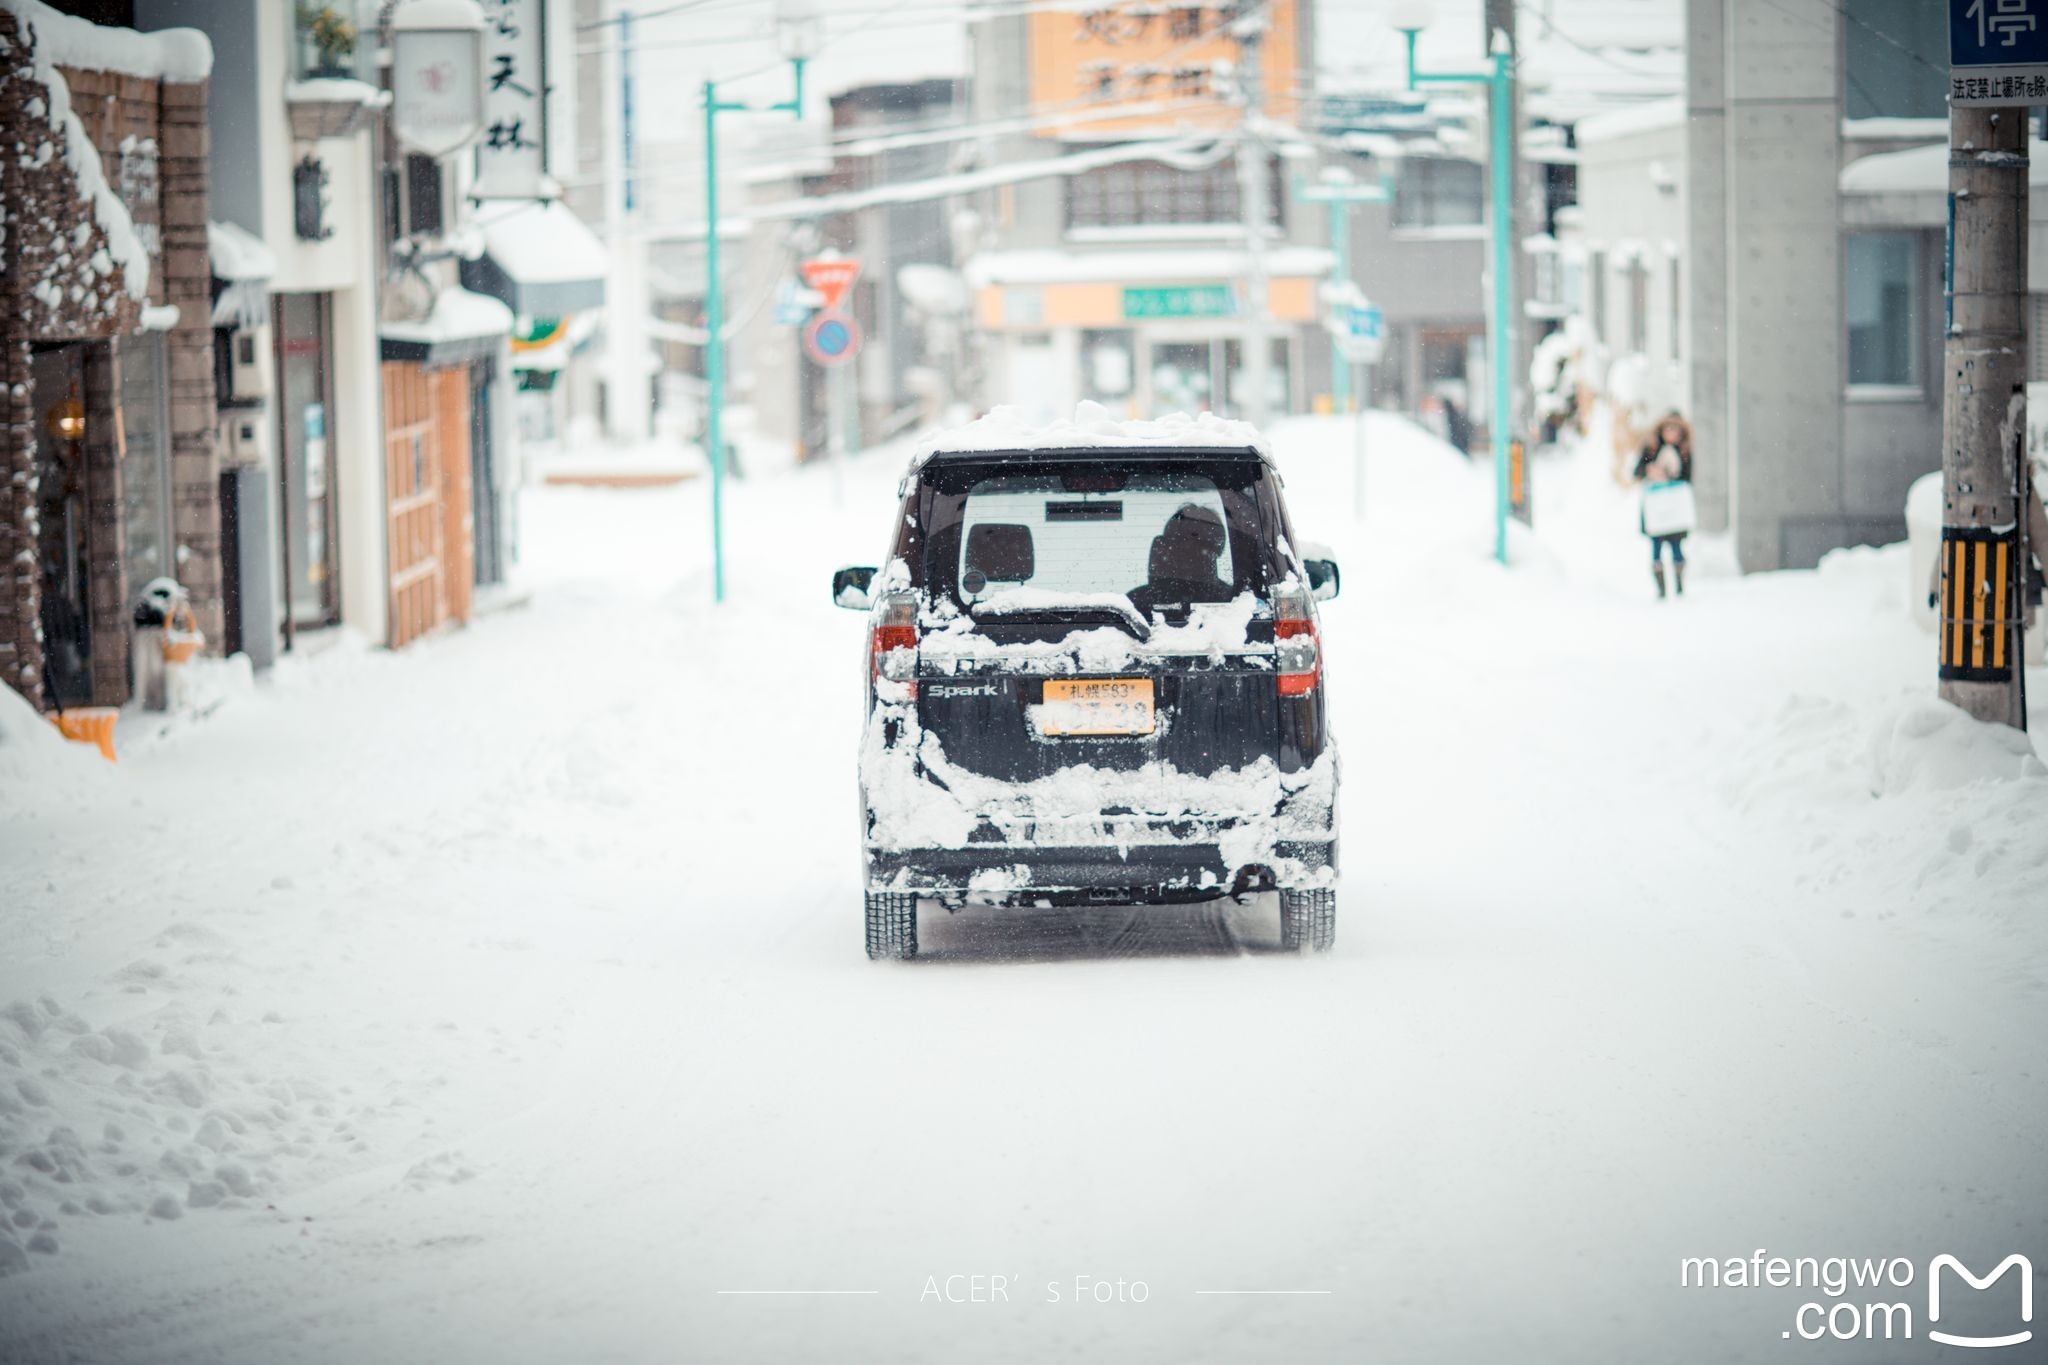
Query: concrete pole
x=629, y=404
x=1984, y=415
x=1256, y=193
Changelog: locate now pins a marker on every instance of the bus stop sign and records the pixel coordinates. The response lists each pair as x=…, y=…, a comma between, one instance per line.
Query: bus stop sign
x=1997, y=52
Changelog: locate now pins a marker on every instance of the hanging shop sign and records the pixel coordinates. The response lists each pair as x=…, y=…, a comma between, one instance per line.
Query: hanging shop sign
x=511, y=157
x=1997, y=52
x=1180, y=301
x=437, y=85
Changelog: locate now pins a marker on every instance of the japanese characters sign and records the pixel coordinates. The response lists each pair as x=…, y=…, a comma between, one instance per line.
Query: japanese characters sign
x=511, y=158
x=1998, y=52
x=1116, y=67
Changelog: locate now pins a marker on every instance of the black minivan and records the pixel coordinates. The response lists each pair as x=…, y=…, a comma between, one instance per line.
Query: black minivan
x=1095, y=675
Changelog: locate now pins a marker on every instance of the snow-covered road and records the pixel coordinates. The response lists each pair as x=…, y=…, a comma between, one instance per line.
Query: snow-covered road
x=503, y=1000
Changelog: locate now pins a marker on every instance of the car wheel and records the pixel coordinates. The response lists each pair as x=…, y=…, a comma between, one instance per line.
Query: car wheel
x=892, y=924
x=1308, y=919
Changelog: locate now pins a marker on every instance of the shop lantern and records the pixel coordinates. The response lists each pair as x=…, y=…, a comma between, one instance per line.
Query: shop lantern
x=437, y=86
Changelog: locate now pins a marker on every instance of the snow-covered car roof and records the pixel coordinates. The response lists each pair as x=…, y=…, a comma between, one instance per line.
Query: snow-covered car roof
x=1091, y=431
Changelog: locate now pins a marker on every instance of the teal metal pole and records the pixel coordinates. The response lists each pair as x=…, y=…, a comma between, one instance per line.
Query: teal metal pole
x=1502, y=91
x=1500, y=88
x=714, y=345
x=714, y=316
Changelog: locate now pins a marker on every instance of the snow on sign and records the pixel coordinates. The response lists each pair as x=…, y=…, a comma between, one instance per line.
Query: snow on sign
x=832, y=338
x=831, y=276
x=1998, y=52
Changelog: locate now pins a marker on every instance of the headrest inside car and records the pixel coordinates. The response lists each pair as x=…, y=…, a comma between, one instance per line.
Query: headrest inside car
x=1000, y=552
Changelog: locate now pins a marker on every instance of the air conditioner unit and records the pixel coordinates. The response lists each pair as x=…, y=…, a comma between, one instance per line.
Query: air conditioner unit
x=245, y=437
x=250, y=367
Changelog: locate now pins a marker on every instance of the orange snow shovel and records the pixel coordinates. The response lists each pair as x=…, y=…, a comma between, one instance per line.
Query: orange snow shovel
x=90, y=725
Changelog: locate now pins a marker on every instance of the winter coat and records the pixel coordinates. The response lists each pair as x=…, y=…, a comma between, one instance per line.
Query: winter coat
x=1652, y=449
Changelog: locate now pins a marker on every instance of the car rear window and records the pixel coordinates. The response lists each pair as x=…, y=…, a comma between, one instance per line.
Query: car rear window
x=1162, y=534
x=1033, y=531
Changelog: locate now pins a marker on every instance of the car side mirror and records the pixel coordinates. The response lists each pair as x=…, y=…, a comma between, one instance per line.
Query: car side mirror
x=1323, y=578
x=850, y=587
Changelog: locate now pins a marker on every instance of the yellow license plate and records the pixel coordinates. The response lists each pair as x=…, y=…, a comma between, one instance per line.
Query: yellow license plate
x=1096, y=706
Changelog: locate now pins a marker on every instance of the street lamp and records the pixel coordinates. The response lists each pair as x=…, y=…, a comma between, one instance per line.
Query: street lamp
x=1411, y=17
x=799, y=33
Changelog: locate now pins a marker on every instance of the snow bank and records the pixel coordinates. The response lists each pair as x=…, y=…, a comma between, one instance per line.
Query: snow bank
x=1005, y=429
x=1930, y=745
x=36, y=763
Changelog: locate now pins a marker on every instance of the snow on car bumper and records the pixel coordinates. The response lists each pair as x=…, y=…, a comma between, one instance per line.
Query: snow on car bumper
x=1005, y=871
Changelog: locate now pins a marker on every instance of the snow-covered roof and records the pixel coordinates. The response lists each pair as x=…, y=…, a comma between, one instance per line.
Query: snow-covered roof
x=1922, y=170
x=457, y=315
x=171, y=54
x=1642, y=118
x=1101, y=267
x=540, y=242
x=1091, y=426
x=236, y=254
x=1895, y=129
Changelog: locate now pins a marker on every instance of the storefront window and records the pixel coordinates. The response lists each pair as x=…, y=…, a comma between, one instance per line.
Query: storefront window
x=1278, y=384
x=306, y=441
x=1108, y=366
x=146, y=543
x=1180, y=377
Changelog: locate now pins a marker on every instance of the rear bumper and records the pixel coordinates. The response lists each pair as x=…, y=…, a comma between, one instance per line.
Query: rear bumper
x=1176, y=871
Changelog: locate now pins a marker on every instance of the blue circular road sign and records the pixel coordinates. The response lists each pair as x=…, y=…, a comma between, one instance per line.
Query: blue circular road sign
x=832, y=338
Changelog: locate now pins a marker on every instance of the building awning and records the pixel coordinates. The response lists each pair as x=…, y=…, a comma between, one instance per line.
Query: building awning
x=538, y=258
x=462, y=326
x=242, y=268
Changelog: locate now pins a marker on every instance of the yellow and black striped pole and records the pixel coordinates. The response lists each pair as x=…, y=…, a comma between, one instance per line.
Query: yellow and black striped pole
x=1981, y=606
x=1984, y=416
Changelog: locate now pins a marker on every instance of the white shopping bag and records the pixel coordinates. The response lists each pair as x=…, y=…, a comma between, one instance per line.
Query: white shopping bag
x=1668, y=508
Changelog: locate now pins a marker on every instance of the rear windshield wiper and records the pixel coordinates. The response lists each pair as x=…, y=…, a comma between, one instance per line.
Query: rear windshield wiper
x=1113, y=606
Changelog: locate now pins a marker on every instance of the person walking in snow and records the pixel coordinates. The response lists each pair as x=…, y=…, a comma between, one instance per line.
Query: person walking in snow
x=1664, y=469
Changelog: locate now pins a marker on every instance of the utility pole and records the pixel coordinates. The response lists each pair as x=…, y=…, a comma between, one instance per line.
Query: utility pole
x=1984, y=416
x=629, y=402
x=1256, y=193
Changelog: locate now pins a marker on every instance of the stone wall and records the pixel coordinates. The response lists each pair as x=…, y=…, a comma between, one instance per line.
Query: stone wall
x=53, y=291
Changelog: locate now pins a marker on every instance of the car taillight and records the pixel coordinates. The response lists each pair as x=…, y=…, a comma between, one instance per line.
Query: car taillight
x=1298, y=650
x=892, y=644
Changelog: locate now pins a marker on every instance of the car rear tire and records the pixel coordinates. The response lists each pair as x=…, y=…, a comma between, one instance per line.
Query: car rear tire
x=892, y=924
x=1308, y=919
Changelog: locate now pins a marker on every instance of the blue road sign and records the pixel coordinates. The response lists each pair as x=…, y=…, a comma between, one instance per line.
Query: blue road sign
x=832, y=338
x=1366, y=323
x=1998, y=52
